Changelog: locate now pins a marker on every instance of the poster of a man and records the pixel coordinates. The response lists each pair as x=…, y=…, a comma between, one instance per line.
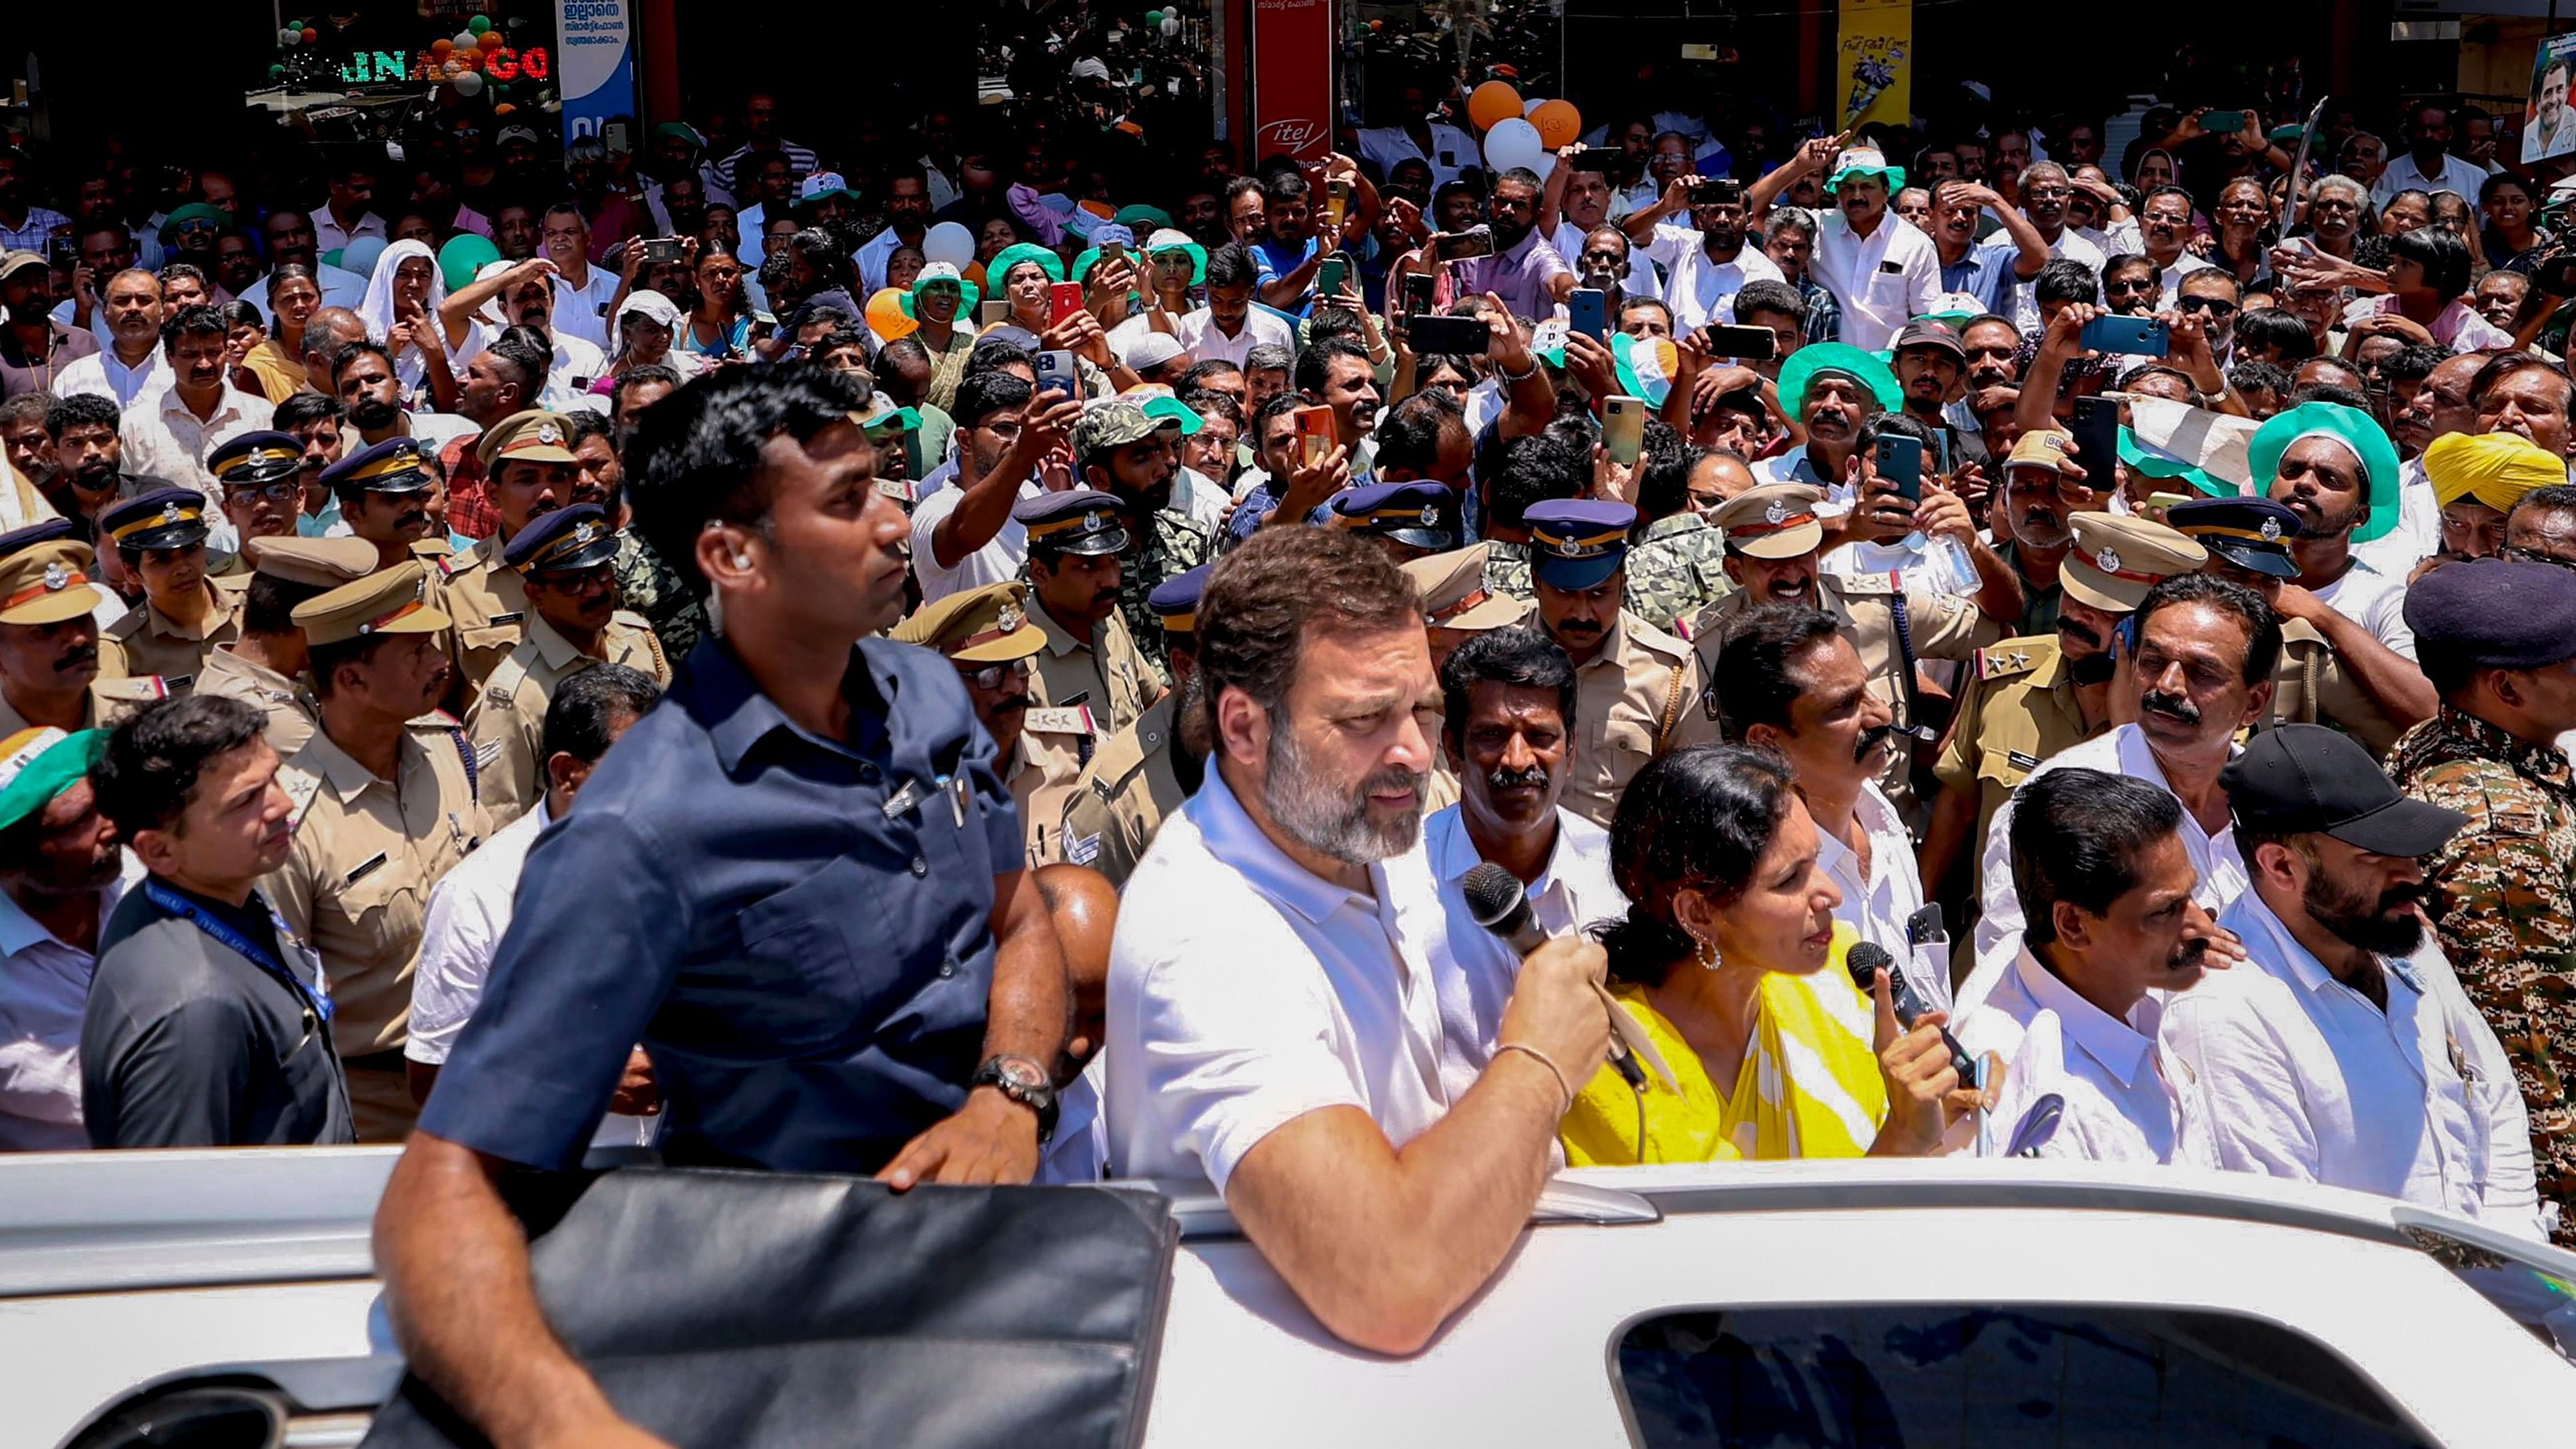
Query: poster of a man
x=2550, y=130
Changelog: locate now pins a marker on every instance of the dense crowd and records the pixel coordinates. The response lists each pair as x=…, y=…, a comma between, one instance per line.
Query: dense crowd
x=1022, y=663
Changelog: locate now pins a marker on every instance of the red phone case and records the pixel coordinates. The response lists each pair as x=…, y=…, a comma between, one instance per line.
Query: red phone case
x=1064, y=299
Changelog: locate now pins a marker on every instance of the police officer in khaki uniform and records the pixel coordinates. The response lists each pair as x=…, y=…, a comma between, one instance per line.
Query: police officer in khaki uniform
x=566, y=562
x=1636, y=688
x=1148, y=770
x=988, y=636
x=528, y=462
x=1773, y=538
x=1456, y=605
x=161, y=538
x=48, y=639
x=2249, y=542
x=384, y=494
x=380, y=814
x=2028, y=698
x=265, y=666
x=1075, y=539
x=261, y=490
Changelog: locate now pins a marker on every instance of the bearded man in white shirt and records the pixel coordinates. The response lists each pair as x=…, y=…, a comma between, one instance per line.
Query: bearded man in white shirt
x=2344, y=1050
x=1882, y=272
x=1271, y=1024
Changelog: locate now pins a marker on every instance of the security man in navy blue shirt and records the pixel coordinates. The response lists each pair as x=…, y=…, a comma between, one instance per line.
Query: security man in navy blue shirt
x=797, y=883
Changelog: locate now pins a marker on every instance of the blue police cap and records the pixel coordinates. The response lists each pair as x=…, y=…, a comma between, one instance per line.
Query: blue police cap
x=162, y=518
x=33, y=534
x=1080, y=521
x=1176, y=600
x=563, y=541
x=2251, y=533
x=1576, y=543
x=2491, y=614
x=252, y=458
x=1417, y=512
x=392, y=466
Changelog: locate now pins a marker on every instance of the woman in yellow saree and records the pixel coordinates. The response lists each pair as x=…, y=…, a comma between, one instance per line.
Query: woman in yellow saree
x=1730, y=958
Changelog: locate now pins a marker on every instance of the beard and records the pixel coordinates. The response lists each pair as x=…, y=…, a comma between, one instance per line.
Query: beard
x=2383, y=926
x=1333, y=819
x=372, y=413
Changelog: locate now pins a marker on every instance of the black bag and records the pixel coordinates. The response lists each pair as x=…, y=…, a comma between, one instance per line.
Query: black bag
x=759, y=1309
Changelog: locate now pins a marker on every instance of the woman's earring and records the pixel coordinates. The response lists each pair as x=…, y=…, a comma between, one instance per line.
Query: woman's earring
x=1708, y=955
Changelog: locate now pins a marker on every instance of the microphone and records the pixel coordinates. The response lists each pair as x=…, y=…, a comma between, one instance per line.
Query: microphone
x=1497, y=901
x=1866, y=959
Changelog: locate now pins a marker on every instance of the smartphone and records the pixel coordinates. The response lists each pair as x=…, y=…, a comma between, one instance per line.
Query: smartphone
x=1063, y=300
x=1623, y=427
x=2222, y=123
x=1333, y=275
x=2167, y=500
x=1457, y=246
x=995, y=311
x=1419, y=288
x=2096, y=428
x=661, y=250
x=617, y=136
x=1588, y=312
x=1337, y=204
x=1314, y=435
x=1056, y=373
x=1431, y=336
x=1715, y=190
x=1900, y=466
x=1744, y=344
x=63, y=252
x=2144, y=336
x=1113, y=251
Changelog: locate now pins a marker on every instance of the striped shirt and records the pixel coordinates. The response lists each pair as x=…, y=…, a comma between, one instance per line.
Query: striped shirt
x=801, y=158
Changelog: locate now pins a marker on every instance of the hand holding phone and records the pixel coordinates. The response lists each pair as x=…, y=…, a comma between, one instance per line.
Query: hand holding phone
x=1623, y=428
x=1063, y=300
x=1587, y=312
x=1057, y=373
x=1458, y=246
x=1314, y=435
x=2111, y=332
x=1744, y=344
x=1900, y=466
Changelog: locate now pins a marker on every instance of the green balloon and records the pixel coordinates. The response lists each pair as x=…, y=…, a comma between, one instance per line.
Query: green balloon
x=275, y=71
x=1153, y=18
x=479, y=24
x=464, y=255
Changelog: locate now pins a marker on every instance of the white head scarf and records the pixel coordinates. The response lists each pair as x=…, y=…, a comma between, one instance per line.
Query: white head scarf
x=647, y=304
x=377, y=308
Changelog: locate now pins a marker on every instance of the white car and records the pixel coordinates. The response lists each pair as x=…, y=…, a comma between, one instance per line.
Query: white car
x=1817, y=1303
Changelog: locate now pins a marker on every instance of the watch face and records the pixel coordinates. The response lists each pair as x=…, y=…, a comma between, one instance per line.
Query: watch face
x=1022, y=1073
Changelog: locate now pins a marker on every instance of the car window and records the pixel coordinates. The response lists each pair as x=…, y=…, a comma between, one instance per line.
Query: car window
x=1992, y=1375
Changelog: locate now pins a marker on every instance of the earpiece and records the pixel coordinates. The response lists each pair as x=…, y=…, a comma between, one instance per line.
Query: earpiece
x=742, y=560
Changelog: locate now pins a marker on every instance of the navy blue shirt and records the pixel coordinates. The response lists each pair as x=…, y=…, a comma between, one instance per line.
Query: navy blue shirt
x=796, y=929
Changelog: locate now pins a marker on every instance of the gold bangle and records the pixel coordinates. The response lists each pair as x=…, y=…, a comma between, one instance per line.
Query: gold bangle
x=1544, y=1060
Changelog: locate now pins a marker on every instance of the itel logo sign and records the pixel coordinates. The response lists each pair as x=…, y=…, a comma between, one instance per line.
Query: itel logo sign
x=1292, y=137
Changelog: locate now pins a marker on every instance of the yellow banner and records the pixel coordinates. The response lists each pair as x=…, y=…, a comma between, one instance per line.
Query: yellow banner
x=1877, y=61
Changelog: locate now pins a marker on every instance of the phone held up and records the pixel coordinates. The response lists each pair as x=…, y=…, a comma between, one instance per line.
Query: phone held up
x=1623, y=428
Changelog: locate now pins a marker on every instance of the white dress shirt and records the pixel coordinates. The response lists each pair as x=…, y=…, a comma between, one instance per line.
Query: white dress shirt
x=2123, y=751
x=2305, y=1078
x=2462, y=178
x=103, y=375
x=1877, y=907
x=582, y=311
x=575, y=366
x=44, y=991
x=163, y=439
x=1246, y=991
x=873, y=255
x=330, y=236
x=1472, y=969
x=1701, y=291
x=1199, y=334
x=1882, y=281
x=2374, y=600
x=469, y=912
x=2417, y=536
x=2125, y=1101
x=2070, y=243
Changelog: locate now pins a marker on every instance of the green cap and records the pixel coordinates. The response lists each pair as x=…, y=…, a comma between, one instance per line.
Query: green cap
x=1799, y=372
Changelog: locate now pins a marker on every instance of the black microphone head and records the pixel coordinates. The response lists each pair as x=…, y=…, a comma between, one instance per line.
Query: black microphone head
x=1493, y=893
x=1865, y=960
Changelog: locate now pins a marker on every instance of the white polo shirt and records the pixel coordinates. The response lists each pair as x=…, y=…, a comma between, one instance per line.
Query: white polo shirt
x=2124, y=1101
x=1246, y=991
x=1698, y=290
x=2374, y=600
x=1000, y=559
x=1199, y=335
x=1472, y=969
x=1877, y=906
x=2124, y=751
x=2306, y=1079
x=1882, y=281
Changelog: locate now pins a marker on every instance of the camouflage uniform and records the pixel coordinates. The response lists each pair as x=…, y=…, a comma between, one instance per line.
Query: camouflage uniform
x=655, y=590
x=1172, y=545
x=1507, y=569
x=1676, y=567
x=2502, y=897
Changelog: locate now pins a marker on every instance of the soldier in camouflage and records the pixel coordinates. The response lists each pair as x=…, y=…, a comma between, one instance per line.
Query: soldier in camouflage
x=1676, y=562
x=2498, y=640
x=1533, y=470
x=1119, y=448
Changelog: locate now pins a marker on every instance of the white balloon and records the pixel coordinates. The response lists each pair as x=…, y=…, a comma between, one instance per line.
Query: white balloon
x=467, y=40
x=1513, y=143
x=290, y=36
x=1171, y=26
x=1530, y=106
x=469, y=84
x=949, y=242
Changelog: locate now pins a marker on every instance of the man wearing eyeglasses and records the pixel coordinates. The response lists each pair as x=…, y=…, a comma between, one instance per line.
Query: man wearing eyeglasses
x=2164, y=229
x=261, y=478
x=992, y=638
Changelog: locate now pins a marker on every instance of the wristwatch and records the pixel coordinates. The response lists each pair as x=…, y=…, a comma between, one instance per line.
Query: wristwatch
x=1024, y=1082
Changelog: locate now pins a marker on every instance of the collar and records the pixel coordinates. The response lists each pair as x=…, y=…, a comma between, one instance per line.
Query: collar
x=18, y=930
x=1059, y=640
x=154, y=621
x=1453, y=851
x=341, y=771
x=222, y=658
x=737, y=716
x=552, y=647
x=1614, y=643
x=2121, y=1049
x=2540, y=762
x=2138, y=760
x=2270, y=941
x=1236, y=840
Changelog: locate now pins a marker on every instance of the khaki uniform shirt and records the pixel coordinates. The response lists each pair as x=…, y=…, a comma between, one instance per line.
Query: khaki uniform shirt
x=2016, y=708
x=1055, y=745
x=1107, y=673
x=110, y=700
x=293, y=713
x=507, y=722
x=145, y=641
x=1122, y=797
x=357, y=882
x=1636, y=698
x=2310, y=686
x=490, y=607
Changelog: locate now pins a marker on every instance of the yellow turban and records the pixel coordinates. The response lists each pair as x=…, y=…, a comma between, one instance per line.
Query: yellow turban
x=2494, y=468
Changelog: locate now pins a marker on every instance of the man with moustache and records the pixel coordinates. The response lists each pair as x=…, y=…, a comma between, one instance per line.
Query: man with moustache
x=2201, y=671
x=1507, y=719
x=2044, y=191
x=1706, y=262
x=1574, y=215
x=990, y=637
x=1930, y=361
x=1120, y=449
x=1525, y=272
x=2333, y=466
x=2116, y=923
x=2042, y=492
x=1637, y=688
x=258, y=478
x=529, y=459
x=1985, y=270
x=89, y=459
x=49, y=674
x=2164, y=229
x=1797, y=687
x=61, y=874
x=131, y=362
x=2439, y=408
x=362, y=374
x=1881, y=271
x=1090, y=662
x=1831, y=389
x=1140, y=776
x=525, y=295
x=2032, y=698
x=169, y=430
x=383, y=491
x=2344, y=1051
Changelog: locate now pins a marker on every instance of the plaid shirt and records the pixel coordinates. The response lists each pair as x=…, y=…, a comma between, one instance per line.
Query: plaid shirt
x=469, y=497
x=31, y=237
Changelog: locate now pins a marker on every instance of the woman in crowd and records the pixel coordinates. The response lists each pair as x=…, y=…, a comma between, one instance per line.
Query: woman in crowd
x=401, y=312
x=2509, y=236
x=1732, y=960
x=944, y=304
x=244, y=331
x=278, y=362
x=1025, y=274
x=645, y=326
x=719, y=324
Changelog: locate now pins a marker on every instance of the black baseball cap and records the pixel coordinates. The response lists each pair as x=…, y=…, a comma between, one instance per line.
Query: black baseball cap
x=2303, y=779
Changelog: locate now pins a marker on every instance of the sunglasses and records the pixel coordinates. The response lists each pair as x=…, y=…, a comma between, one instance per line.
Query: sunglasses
x=286, y=490
x=2218, y=310
x=2526, y=555
x=992, y=675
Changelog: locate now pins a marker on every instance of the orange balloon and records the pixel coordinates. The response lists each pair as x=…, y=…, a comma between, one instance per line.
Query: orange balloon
x=1491, y=104
x=886, y=316
x=491, y=40
x=1558, y=122
x=441, y=47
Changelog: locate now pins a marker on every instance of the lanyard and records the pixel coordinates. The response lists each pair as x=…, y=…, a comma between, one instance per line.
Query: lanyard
x=316, y=996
